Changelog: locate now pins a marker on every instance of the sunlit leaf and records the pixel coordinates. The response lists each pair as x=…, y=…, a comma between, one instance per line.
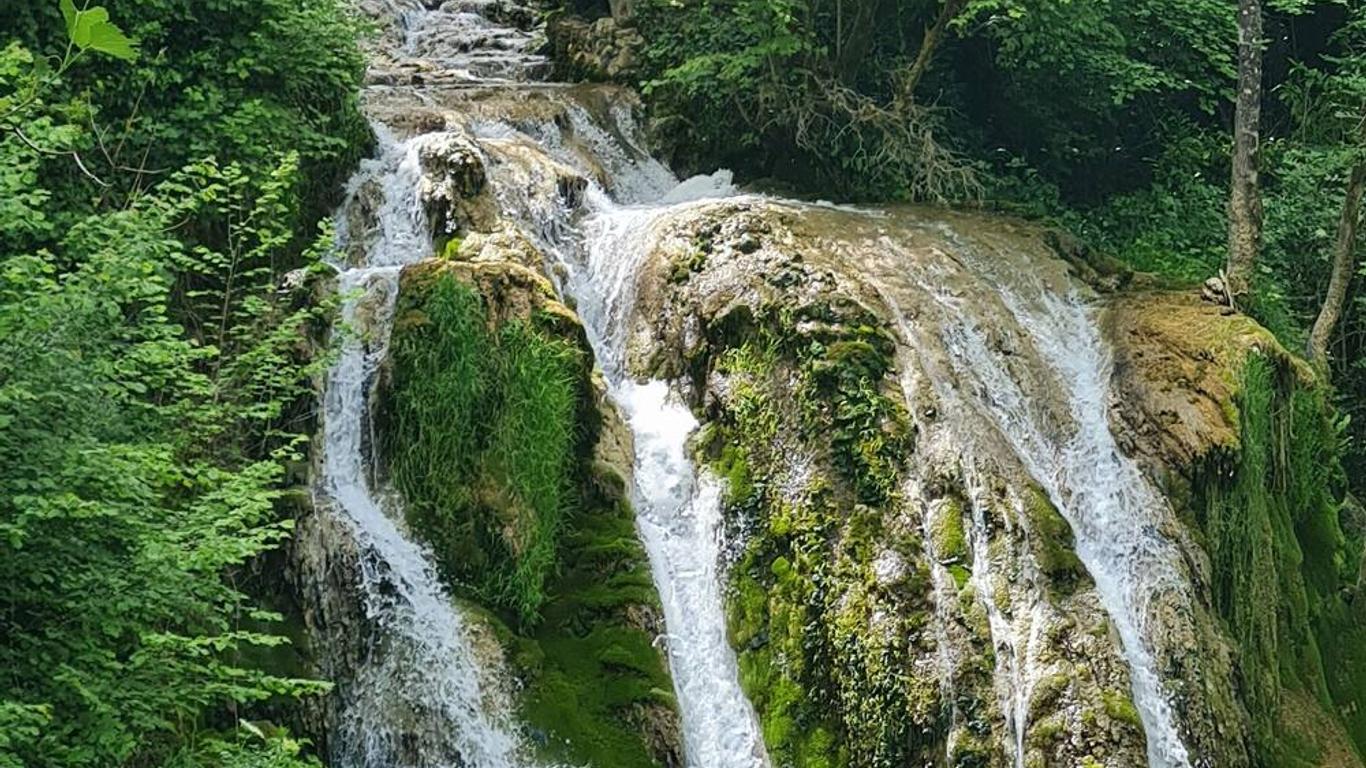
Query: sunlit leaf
x=91, y=30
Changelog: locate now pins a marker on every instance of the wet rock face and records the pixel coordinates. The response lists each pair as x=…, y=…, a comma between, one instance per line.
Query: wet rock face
x=1231, y=425
x=602, y=50
x=452, y=182
x=1178, y=361
x=899, y=585
x=322, y=571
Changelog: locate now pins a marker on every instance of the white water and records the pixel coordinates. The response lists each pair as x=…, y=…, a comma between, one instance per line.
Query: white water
x=678, y=512
x=1102, y=494
x=421, y=697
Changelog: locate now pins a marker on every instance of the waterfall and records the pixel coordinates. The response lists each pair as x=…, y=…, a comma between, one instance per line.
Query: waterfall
x=1102, y=494
x=1114, y=512
x=428, y=692
x=679, y=512
x=422, y=696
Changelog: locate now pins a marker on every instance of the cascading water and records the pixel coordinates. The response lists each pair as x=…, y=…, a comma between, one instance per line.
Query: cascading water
x=421, y=696
x=424, y=697
x=1115, y=514
x=679, y=513
x=1102, y=494
x=424, y=694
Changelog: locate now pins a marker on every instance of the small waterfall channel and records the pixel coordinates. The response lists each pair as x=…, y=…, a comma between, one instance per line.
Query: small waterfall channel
x=679, y=511
x=1102, y=494
x=427, y=691
x=422, y=697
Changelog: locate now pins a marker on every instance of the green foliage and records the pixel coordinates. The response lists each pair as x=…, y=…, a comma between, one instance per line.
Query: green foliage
x=244, y=81
x=133, y=482
x=152, y=377
x=492, y=501
x=818, y=87
x=90, y=30
x=1280, y=557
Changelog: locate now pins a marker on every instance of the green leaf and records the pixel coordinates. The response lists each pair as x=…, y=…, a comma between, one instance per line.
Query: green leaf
x=91, y=30
x=69, y=13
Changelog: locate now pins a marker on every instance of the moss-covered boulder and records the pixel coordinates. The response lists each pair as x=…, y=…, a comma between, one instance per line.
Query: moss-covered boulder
x=1239, y=432
x=901, y=591
x=491, y=432
x=906, y=585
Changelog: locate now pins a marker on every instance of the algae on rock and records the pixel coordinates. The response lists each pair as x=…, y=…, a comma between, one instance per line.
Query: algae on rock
x=492, y=426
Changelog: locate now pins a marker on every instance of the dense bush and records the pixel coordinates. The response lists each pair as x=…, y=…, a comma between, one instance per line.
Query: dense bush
x=150, y=369
x=243, y=81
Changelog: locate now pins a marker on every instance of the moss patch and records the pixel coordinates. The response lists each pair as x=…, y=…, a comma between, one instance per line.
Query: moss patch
x=1120, y=708
x=825, y=646
x=480, y=442
x=596, y=680
x=1051, y=538
x=1283, y=568
x=490, y=436
x=950, y=538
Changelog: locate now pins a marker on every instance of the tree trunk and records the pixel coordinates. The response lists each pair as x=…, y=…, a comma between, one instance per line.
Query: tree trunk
x=1344, y=264
x=1245, y=205
x=933, y=35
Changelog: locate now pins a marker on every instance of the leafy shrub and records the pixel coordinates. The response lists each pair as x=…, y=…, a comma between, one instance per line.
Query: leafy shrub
x=151, y=375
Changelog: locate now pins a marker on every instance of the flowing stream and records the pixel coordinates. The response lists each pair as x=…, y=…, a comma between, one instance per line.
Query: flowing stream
x=1100, y=492
x=679, y=512
x=422, y=695
x=427, y=692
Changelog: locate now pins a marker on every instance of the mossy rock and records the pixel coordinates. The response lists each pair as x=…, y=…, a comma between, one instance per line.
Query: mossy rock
x=491, y=427
x=1269, y=516
x=830, y=687
x=1051, y=539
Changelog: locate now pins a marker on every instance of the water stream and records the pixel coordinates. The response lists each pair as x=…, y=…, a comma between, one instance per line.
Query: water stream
x=1100, y=492
x=679, y=512
x=426, y=694
x=422, y=695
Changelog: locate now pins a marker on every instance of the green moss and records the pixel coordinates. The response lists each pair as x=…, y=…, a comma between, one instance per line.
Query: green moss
x=768, y=620
x=733, y=466
x=449, y=249
x=1045, y=732
x=824, y=650
x=972, y=750
x=1052, y=539
x=490, y=439
x=1281, y=562
x=950, y=540
x=1048, y=689
x=687, y=264
x=844, y=398
x=1120, y=708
